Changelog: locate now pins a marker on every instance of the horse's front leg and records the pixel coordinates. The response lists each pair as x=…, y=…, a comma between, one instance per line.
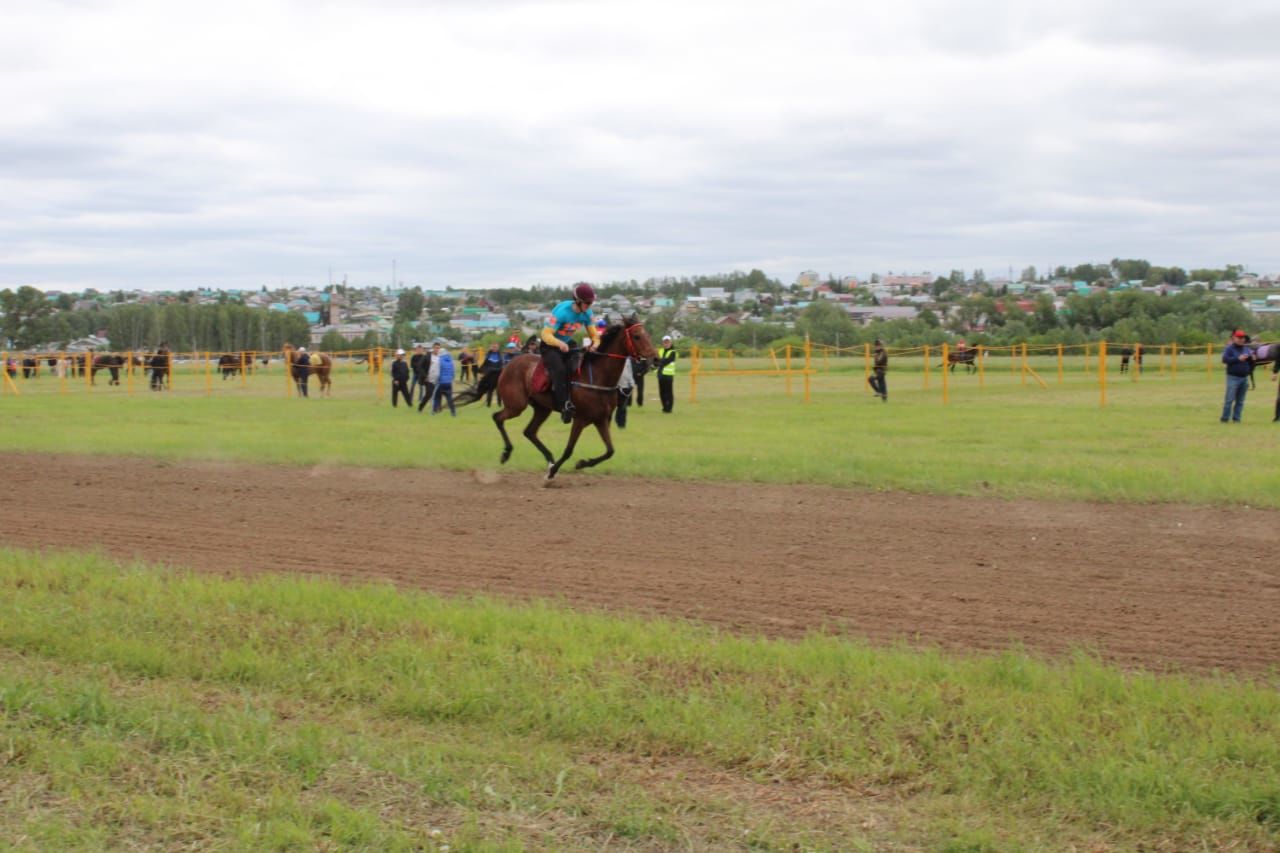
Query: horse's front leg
x=531, y=431
x=602, y=426
x=574, y=432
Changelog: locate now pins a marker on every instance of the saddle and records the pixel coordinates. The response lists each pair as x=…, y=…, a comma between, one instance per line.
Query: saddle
x=540, y=380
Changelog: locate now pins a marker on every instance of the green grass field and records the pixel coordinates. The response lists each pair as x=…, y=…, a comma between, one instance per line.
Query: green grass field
x=142, y=707
x=1157, y=439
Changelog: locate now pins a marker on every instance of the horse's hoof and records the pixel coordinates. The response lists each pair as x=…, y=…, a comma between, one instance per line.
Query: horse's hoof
x=506, y=454
x=582, y=463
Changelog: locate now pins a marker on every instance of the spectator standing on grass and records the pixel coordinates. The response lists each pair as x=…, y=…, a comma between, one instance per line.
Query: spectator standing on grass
x=441, y=378
x=489, y=370
x=1275, y=374
x=466, y=363
x=159, y=367
x=667, y=374
x=400, y=381
x=1238, y=358
x=302, y=370
x=626, y=387
x=879, y=366
x=417, y=367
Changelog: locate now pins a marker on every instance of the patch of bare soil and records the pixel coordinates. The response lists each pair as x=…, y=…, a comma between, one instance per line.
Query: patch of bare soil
x=1153, y=586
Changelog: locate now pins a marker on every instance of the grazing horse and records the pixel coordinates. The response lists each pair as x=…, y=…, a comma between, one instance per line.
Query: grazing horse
x=321, y=367
x=593, y=388
x=967, y=357
x=111, y=362
x=231, y=363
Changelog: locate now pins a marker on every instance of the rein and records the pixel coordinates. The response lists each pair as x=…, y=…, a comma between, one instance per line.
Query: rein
x=631, y=353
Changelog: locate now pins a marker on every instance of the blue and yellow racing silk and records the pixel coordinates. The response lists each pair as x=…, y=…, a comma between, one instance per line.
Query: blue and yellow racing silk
x=564, y=322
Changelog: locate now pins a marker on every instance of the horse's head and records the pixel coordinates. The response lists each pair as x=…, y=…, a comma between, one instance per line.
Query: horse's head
x=639, y=344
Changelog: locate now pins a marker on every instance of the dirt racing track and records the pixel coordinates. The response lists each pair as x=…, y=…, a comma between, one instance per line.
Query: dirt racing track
x=1154, y=586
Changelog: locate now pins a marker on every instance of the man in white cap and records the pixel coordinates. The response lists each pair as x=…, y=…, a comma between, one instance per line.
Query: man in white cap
x=667, y=374
x=301, y=370
x=400, y=381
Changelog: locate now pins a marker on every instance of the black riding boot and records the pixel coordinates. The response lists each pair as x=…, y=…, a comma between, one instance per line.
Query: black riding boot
x=1277, y=417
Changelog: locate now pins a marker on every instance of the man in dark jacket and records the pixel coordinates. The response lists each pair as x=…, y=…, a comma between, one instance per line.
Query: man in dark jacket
x=301, y=370
x=400, y=381
x=1238, y=358
x=879, y=365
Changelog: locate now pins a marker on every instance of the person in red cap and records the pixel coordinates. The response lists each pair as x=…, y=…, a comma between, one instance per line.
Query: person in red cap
x=1238, y=358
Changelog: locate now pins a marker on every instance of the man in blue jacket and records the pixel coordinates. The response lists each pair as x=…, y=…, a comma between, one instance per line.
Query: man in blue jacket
x=1238, y=358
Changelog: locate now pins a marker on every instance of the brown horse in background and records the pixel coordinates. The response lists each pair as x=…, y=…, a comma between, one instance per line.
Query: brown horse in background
x=321, y=367
x=593, y=390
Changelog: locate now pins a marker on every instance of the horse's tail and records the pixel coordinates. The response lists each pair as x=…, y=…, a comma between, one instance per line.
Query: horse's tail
x=472, y=393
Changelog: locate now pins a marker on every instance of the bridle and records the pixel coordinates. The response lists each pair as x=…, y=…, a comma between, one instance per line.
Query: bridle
x=631, y=345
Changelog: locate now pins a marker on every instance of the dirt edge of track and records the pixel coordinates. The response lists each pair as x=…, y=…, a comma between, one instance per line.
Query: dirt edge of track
x=1153, y=586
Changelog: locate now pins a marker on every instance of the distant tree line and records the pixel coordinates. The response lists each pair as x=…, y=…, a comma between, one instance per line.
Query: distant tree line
x=31, y=320
x=1192, y=318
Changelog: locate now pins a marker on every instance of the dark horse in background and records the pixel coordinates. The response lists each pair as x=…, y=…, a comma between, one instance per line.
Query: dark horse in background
x=1135, y=353
x=967, y=357
x=1264, y=354
x=593, y=388
x=111, y=362
x=231, y=363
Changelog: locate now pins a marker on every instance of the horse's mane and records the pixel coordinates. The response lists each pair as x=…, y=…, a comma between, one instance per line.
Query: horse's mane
x=613, y=330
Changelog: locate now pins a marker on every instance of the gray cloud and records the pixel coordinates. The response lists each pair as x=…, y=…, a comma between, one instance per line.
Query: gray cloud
x=514, y=143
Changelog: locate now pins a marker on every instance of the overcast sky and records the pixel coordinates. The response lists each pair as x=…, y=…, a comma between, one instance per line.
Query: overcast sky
x=490, y=143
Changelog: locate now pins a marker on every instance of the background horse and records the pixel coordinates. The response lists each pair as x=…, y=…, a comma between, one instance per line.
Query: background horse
x=1263, y=354
x=231, y=363
x=593, y=388
x=111, y=362
x=967, y=357
x=1134, y=352
x=321, y=367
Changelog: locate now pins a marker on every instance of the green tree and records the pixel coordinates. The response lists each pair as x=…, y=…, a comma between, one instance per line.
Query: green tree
x=334, y=341
x=409, y=304
x=23, y=309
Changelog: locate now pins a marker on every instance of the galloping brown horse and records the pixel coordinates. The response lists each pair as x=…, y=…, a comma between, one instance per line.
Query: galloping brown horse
x=593, y=390
x=321, y=366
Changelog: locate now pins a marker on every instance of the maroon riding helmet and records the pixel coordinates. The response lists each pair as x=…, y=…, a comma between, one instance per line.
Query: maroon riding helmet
x=584, y=293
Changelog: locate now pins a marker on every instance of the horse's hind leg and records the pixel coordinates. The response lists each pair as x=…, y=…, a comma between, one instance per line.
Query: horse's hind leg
x=602, y=426
x=500, y=421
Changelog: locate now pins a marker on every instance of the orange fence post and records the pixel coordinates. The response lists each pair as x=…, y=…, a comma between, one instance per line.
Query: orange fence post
x=982, y=366
x=1173, y=362
x=808, y=365
x=1059, y=364
x=1025, y=366
x=788, y=370
x=288, y=372
x=695, y=367
x=382, y=372
x=1102, y=372
x=946, y=373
